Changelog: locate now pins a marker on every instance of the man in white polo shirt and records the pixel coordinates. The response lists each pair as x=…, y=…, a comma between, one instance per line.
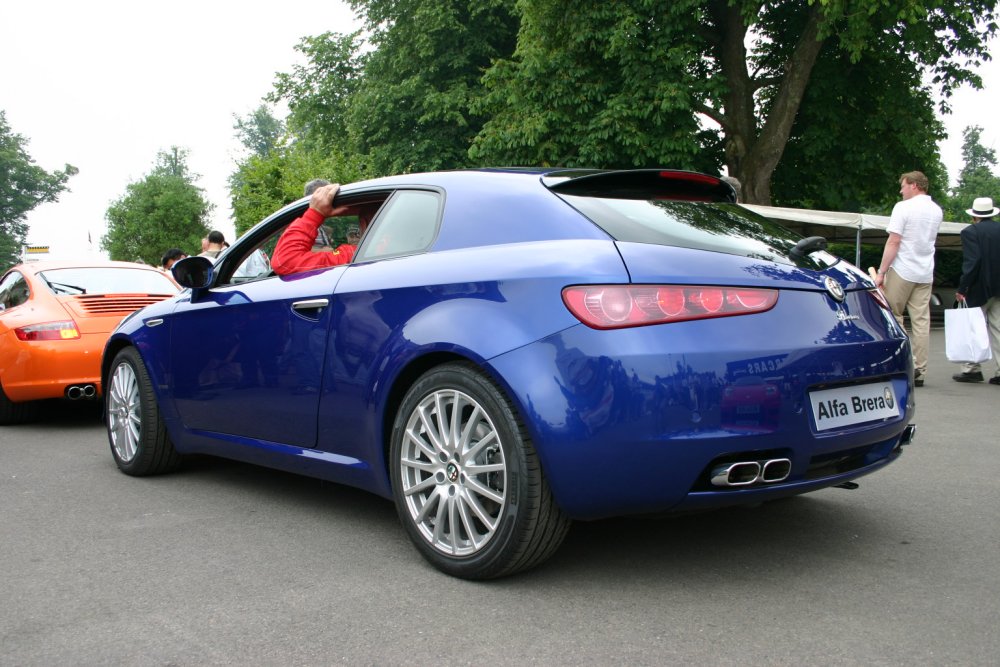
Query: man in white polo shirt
x=906, y=272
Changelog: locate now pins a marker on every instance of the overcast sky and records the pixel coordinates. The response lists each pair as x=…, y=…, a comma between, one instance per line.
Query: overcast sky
x=104, y=85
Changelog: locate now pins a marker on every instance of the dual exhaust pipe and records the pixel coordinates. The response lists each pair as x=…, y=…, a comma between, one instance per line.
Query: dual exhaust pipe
x=75, y=392
x=769, y=471
x=745, y=473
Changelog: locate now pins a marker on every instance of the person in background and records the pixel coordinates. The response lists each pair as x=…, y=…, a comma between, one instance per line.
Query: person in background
x=906, y=272
x=216, y=244
x=979, y=285
x=312, y=186
x=171, y=257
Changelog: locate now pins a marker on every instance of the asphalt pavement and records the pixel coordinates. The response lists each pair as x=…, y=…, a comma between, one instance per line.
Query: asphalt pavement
x=223, y=563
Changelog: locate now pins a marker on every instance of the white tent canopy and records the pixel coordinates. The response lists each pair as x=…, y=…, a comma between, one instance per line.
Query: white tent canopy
x=847, y=227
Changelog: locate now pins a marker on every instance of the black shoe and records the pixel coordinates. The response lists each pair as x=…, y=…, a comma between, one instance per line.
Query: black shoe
x=918, y=380
x=995, y=379
x=975, y=376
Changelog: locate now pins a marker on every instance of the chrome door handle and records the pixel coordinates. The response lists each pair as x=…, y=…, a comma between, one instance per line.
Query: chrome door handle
x=311, y=308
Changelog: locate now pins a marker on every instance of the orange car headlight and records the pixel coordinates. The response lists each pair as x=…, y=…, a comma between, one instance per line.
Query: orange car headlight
x=65, y=330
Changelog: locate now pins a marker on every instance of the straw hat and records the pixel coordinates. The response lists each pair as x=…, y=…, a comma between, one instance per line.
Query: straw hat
x=982, y=207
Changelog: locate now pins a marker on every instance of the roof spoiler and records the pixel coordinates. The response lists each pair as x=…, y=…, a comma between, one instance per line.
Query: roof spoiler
x=672, y=184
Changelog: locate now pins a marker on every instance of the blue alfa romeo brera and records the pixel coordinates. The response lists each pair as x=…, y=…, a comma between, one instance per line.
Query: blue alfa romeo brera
x=510, y=350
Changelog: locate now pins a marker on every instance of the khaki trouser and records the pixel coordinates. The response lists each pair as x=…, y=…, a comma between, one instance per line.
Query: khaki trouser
x=992, y=312
x=915, y=300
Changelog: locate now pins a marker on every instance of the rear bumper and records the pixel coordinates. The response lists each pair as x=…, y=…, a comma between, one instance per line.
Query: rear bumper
x=45, y=369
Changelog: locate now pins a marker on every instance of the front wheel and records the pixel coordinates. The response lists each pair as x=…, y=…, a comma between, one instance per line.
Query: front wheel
x=138, y=437
x=466, y=479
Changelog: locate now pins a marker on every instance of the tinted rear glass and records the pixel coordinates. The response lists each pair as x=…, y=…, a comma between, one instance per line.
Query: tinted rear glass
x=717, y=227
x=107, y=280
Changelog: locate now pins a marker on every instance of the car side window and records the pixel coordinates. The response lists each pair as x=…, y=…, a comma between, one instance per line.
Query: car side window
x=407, y=224
x=13, y=291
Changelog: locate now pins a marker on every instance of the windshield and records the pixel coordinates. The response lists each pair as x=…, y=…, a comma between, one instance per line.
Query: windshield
x=108, y=280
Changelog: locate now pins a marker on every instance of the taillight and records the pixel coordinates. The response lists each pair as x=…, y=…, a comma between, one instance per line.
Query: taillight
x=65, y=330
x=879, y=298
x=620, y=306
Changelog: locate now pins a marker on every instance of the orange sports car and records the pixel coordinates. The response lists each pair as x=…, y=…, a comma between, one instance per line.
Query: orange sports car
x=54, y=320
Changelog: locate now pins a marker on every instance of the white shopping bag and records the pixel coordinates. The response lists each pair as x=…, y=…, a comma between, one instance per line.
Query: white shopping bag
x=965, y=337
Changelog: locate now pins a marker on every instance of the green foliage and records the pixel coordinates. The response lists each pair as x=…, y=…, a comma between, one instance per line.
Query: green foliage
x=319, y=93
x=23, y=186
x=259, y=131
x=415, y=107
x=265, y=183
x=831, y=161
x=841, y=90
x=621, y=84
x=976, y=178
x=599, y=85
x=163, y=210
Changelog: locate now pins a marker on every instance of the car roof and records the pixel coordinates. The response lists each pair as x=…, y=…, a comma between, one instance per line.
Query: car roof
x=581, y=180
x=49, y=265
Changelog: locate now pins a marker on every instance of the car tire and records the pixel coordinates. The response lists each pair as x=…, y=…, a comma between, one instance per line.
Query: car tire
x=466, y=479
x=14, y=413
x=136, y=433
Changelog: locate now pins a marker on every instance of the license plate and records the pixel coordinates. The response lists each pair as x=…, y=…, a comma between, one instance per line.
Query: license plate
x=845, y=406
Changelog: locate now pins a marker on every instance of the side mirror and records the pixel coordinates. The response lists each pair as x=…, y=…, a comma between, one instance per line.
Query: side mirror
x=194, y=272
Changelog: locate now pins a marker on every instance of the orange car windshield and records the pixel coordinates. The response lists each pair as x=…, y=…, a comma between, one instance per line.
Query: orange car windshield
x=107, y=280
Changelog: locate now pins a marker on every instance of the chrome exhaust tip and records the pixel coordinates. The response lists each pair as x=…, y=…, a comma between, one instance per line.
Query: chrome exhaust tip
x=909, y=433
x=742, y=473
x=89, y=391
x=775, y=470
x=74, y=392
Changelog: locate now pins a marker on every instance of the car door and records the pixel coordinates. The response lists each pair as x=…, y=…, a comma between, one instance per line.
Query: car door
x=246, y=357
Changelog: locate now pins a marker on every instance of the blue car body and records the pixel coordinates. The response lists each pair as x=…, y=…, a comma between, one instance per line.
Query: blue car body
x=624, y=420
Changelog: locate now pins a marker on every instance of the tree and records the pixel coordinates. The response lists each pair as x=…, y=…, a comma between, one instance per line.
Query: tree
x=311, y=142
x=415, y=104
x=264, y=183
x=662, y=56
x=598, y=85
x=23, y=186
x=319, y=93
x=831, y=161
x=976, y=178
x=163, y=210
x=259, y=131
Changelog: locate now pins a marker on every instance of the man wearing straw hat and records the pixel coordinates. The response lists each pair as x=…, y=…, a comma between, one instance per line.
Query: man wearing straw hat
x=980, y=282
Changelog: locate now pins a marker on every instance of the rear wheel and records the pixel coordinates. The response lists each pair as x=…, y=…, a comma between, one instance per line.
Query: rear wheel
x=14, y=413
x=466, y=479
x=138, y=438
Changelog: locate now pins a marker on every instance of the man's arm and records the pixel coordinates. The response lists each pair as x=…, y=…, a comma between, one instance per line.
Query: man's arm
x=888, y=256
x=294, y=253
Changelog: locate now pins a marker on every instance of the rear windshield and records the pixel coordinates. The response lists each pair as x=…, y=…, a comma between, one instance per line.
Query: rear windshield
x=717, y=227
x=107, y=280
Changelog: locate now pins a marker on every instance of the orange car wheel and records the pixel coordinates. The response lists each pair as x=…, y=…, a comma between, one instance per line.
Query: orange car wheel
x=14, y=413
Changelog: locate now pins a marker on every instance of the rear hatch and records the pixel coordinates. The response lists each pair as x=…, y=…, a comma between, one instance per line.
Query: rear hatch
x=665, y=221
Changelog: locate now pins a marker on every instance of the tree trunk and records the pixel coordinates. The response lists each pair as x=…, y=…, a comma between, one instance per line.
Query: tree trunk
x=752, y=156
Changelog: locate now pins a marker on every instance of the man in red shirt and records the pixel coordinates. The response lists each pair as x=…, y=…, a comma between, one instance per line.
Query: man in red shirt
x=294, y=252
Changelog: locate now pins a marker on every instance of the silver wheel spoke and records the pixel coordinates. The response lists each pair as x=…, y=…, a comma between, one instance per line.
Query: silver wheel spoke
x=453, y=472
x=124, y=412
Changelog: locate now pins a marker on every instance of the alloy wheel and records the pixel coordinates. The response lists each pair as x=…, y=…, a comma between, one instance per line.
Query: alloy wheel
x=453, y=473
x=124, y=419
